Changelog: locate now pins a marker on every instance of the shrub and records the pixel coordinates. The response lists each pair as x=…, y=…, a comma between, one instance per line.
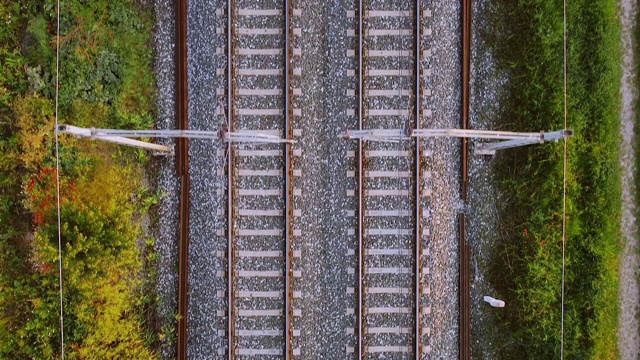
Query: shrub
x=106, y=81
x=34, y=121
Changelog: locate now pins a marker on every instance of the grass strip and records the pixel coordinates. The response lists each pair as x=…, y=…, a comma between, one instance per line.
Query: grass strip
x=527, y=271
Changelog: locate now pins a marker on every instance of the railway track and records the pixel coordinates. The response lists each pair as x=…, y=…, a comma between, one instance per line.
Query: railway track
x=388, y=186
x=261, y=77
x=390, y=192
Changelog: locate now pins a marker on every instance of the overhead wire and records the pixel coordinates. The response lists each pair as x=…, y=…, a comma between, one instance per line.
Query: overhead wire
x=564, y=181
x=58, y=180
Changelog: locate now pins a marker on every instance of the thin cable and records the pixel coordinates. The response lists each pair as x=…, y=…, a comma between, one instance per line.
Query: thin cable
x=58, y=180
x=564, y=181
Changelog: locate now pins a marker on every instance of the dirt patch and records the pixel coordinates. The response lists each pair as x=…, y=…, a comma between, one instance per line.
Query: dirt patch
x=629, y=332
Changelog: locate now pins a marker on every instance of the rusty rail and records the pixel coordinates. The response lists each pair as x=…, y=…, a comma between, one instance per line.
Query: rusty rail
x=465, y=288
x=230, y=177
x=360, y=323
x=418, y=208
x=182, y=164
x=288, y=183
x=464, y=284
x=466, y=69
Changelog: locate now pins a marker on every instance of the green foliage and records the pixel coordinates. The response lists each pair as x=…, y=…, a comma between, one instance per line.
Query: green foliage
x=12, y=77
x=13, y=80
x=107, y=61
x=530, y=50
x=145, y=198
x=40, y=51
x=106, y=81
x=97, y=79
x=99, y=275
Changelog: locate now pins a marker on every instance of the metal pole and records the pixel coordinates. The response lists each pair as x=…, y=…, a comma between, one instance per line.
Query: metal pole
x=135, y=143
x=491, y=148
x=486, y=134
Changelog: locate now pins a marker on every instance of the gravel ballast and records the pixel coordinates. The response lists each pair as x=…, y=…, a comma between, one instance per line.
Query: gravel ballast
x=168, y=185
x=323, y=202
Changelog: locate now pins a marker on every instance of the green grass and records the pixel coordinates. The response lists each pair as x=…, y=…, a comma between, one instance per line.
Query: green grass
x=530, y=50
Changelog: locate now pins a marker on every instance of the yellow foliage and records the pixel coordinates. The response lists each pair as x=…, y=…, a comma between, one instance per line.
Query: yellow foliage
x=34, y=119
x=5, y=96
x=116, y=333
x=107, y=187
x=88, y=114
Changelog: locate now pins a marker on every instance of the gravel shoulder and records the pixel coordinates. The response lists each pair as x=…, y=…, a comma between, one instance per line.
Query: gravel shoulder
x=167, y=183
x=629, y=296
x=487, y=83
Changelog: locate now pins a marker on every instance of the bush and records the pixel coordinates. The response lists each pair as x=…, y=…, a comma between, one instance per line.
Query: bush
x=34, y=121
x=106, y=81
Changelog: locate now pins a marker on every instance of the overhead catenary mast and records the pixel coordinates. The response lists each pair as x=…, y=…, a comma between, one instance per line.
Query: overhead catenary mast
x=127, y=137
x=509, y=139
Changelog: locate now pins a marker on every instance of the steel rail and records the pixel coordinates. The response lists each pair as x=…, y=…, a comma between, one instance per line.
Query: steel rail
x=182, y=164
x=464, y=291
x=418, y=225
x=360, y=275
x=466, y=69
x=465, y=288
x=181, y=80
x=288, y=210
x=230, y=174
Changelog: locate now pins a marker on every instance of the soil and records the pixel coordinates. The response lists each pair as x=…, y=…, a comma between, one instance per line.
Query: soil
x=629, y=299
